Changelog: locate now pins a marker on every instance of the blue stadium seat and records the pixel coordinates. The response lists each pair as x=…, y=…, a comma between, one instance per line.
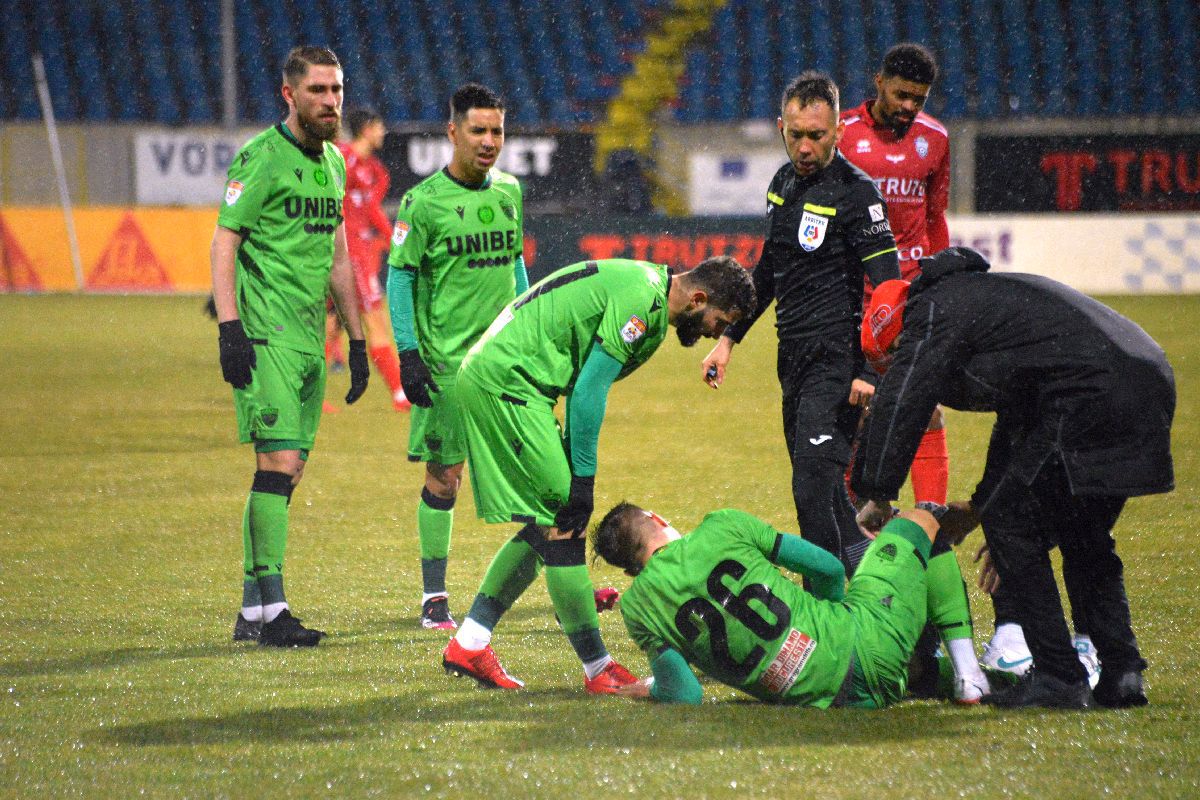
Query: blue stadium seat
x=1182, y=21
x=1152, y=80
x=949, y=95
x=517, y=86
x=1049, y=54
x=1118, y=50
x=1085, y=56
x=50, y=42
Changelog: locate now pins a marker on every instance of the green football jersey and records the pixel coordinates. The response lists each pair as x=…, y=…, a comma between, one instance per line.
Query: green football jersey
x=714, y=596
x=536, y=347
x=463, y=243
x=287, y=202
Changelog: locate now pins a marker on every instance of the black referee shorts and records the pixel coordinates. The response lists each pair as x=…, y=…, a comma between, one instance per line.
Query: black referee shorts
x=815, y=375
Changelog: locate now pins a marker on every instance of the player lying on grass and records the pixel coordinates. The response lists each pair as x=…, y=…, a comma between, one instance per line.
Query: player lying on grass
x=716, y=600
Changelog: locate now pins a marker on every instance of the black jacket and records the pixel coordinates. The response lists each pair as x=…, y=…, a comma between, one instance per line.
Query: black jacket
x=1067, y=377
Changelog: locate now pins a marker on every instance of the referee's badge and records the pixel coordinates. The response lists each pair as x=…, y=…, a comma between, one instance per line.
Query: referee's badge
x=812, y=231
x=233, y=190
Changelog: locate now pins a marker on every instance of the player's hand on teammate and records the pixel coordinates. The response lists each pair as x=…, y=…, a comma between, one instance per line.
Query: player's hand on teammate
x=874, y=515
x=417, y=380
x=959, y=520
x=238, y=359
x=573, y=517
x=360, y=370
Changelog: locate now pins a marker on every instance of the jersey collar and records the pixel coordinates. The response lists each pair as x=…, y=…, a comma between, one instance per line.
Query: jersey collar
x=287, y=134
x=486, y=181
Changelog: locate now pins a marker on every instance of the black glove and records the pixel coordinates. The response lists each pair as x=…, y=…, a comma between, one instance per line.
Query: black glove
x=415, y=377
x=574, y=516
x=360, y=371
x=237, y=354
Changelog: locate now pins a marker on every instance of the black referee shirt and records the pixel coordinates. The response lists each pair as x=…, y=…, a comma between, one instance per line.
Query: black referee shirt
x=825, y=231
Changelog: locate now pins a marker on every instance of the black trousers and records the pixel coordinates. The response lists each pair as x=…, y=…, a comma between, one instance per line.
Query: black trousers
x=819, y=425
x=1021, y=523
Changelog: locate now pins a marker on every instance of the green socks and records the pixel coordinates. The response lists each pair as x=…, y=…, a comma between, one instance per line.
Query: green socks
x=265, y=525
x=513, y=569
x=435, y=521
x=949, y=608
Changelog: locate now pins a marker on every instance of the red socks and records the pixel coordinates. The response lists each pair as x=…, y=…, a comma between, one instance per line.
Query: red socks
x=931, y=468
x=388, y=365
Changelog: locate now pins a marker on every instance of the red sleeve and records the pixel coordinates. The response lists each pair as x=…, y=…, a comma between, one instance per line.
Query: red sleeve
x=937, y=198
x=375, y=201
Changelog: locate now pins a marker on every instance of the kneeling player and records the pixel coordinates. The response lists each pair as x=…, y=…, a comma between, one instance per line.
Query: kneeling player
x=714, y=599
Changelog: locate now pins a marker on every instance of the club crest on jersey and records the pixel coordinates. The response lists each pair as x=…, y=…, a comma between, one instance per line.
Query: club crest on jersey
x=633, y=330
x=863, y=146
x=922, y=146
x=400, y=232
x=233, y=190
x=812, y=231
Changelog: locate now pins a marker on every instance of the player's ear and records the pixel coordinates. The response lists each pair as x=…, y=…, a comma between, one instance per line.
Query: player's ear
x=699, y=299
x=450, y=130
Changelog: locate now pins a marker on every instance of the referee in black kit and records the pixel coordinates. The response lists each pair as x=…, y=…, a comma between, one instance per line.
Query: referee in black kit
x=827, y=228
x=1084, y=400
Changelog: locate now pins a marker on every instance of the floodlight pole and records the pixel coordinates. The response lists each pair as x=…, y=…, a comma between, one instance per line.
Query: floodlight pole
x=43, y=90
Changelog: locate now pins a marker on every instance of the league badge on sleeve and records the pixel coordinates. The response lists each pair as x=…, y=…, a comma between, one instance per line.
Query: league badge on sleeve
x=812, y=231
x=233, y=190
x=400, y=232
x=633, y=330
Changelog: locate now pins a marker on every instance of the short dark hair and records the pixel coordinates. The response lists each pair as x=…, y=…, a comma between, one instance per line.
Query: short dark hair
x=910, y=61
x=614, y=540
x=727, y=284
x=299, y=59
x=810, y=87
x=358, y=119
x=473, y=95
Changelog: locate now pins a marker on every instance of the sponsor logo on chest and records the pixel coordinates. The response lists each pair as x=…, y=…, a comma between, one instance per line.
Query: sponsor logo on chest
x=812, y=231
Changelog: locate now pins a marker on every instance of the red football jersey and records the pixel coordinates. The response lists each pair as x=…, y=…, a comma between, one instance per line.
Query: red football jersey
x=367, y=183
x=913, y=175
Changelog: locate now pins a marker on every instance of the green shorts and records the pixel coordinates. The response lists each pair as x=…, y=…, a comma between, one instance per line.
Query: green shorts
x=519, y=469
x=283, y=400
x=436, y=433
x=887, y=599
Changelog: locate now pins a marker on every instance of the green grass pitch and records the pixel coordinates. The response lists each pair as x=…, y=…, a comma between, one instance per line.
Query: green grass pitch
x=121, y=489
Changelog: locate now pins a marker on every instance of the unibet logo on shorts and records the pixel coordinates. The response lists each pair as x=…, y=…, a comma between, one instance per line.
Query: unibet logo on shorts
x=633, y=330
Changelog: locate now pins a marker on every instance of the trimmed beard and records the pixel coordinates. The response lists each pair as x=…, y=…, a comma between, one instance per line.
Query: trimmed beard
x=321, y=131
x=689, y=327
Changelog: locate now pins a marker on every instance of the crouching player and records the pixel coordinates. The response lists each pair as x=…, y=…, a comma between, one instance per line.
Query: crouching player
x=714, y=599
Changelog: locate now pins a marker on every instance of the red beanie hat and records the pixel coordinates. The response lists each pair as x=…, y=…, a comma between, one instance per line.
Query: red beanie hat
x=882, y=322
